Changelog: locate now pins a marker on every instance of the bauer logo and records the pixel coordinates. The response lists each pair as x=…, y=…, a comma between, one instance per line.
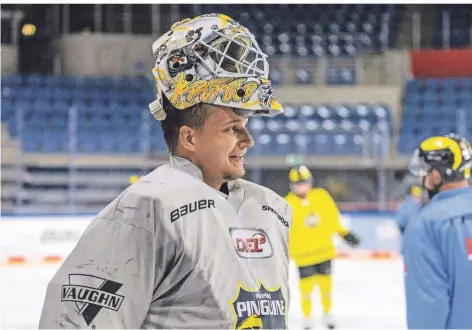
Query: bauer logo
x=90, y=294
x=259, y=309
x=251, y=243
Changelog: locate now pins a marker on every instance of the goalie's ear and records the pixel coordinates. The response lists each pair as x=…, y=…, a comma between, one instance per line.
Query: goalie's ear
x=187, y=138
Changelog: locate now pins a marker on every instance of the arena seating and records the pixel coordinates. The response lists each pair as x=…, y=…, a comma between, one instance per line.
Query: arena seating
x=324, y=129
x=112, y=117
x=460, y=19
x=334, y=30
x=431, y=107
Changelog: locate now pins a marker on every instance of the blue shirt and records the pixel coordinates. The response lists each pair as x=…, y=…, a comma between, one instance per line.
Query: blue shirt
x=438, y=263
x=407, y=211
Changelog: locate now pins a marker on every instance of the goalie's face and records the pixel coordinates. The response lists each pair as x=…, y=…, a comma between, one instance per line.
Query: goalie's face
x=219, y=146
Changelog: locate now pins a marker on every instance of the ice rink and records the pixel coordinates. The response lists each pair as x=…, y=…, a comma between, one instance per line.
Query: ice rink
x=367, y=295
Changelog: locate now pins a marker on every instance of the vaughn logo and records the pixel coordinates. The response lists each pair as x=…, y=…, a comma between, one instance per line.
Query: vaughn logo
x=251, y=243
x=98, y=293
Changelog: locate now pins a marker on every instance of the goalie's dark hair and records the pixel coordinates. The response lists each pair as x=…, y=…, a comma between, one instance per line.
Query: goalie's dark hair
x=193, y=117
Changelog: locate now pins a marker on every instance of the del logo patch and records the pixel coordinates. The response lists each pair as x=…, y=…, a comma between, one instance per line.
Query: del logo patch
x=90, y=294
x=251, y=243
x=259, y=309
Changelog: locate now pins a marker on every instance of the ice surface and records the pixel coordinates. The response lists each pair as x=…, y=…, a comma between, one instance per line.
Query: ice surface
x=366, y=295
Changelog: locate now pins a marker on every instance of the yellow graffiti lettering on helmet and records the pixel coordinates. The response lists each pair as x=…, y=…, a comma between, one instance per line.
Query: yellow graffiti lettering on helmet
x=437, y=143
x=187, y=93
x=196, y=89
x=214, y=87
x=230, y=93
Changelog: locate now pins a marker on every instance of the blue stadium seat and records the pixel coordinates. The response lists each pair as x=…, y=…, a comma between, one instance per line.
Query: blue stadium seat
x=324, y=111
x=302, y=75
x=312, y=125
x=264, y=144
x=357, y=144
x=276, y=76
x=322, y=144
x=34, y=81
x=284, y=144
x=292, y=125
x=302, y=143
x=291, y=110
x=341, y=145
x=12, y=81
x=256, y=125
x=275, y=125
x=438, y=112
x=307, y=111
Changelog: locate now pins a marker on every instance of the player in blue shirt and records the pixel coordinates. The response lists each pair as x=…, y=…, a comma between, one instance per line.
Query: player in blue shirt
x=410, y=206
x=438, y=245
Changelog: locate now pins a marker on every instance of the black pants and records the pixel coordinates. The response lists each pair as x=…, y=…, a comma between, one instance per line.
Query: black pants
x=323, y=268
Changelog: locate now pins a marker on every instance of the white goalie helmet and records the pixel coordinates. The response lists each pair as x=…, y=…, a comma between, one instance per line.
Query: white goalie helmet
x=212, y=59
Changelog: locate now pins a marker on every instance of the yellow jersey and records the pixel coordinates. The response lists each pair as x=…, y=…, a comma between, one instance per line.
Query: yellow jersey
x=314, y=222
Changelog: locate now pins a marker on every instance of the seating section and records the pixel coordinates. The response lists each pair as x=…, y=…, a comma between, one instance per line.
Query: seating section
x=315, y=30
x=433, y=107
x=109, y=113
x=106, y=115
x=320, y=129
x=458, y=31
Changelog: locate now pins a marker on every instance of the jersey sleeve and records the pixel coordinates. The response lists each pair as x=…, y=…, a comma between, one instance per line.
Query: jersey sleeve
x=426, y=280
x=108, y=279
x=333, y=214
x=401, y=217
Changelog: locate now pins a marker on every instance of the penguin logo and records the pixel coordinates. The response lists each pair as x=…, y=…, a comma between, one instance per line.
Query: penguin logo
x=253, y=322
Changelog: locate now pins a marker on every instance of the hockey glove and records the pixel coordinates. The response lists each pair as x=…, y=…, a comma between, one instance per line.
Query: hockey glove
x=352, y=239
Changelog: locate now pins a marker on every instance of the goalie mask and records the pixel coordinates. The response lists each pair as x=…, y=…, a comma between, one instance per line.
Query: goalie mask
x=212, y=59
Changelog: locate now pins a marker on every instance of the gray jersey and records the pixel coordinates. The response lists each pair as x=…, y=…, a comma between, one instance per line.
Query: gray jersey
x=172, y=252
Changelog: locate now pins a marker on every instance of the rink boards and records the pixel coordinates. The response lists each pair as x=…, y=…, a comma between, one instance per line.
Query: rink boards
x=40, y=239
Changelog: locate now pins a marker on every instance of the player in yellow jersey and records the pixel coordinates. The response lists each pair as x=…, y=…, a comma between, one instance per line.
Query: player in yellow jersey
x=315, y=221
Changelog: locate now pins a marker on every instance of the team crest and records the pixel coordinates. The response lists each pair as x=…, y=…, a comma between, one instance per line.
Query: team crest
x=312, y=220
x=259, y=309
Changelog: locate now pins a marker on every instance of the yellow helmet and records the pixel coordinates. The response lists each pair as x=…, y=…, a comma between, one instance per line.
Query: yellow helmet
x=300, y=174
x=451, y=155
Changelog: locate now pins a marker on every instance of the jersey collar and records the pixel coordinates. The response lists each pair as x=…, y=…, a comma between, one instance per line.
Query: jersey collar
x=186, y=166
x=236, y=190
x=450, y=193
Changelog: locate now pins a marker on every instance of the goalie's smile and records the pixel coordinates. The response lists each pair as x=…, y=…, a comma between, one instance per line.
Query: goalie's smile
x=237, y=158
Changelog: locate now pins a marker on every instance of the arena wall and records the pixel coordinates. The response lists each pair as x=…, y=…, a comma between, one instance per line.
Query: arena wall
x=9, y=59
x=50, y=238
